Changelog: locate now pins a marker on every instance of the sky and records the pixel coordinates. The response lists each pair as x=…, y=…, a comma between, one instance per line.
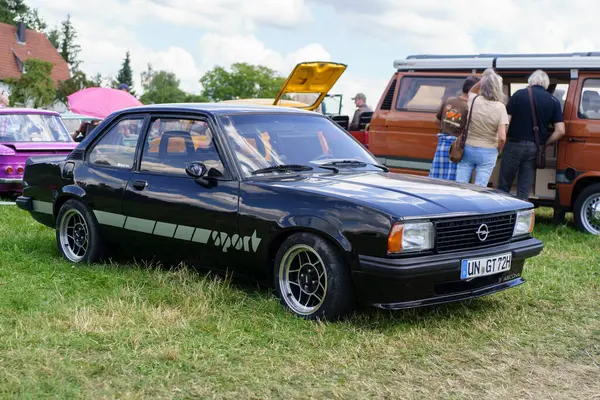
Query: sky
x=190, y=37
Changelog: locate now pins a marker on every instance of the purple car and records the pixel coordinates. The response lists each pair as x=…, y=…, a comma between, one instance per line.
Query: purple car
x=25, y=133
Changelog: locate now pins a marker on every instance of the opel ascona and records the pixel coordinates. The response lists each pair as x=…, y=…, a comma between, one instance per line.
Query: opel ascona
x=281, y=195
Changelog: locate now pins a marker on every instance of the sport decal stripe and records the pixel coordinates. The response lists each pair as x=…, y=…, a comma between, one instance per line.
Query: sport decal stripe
x=164, y=229
x=108, y=218
x=139, y=225
x=43, y=207
x=182, y=232
x=202, y=235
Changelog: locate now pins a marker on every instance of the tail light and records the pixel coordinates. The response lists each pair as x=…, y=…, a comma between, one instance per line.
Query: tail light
x=9, y=170
x=20, y=170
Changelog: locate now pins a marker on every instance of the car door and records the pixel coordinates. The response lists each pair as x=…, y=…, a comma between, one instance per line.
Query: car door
x=108, y=164
x=179, y=217
x=583, y=133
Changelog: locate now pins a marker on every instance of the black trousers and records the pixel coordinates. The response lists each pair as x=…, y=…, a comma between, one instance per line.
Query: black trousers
x=518, y=157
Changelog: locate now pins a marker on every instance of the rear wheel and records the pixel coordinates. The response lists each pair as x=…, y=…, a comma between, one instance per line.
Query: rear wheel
x=77, y=234
x=587, y=210
x=312, y=279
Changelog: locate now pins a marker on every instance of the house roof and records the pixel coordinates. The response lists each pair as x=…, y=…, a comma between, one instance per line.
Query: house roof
x=36, y=46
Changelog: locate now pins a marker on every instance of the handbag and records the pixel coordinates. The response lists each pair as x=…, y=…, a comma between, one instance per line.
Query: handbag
x=457, y=148
x=540, y=156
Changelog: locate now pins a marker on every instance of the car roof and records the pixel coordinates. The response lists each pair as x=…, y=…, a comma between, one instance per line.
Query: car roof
x=14, y=110
x=217, y=108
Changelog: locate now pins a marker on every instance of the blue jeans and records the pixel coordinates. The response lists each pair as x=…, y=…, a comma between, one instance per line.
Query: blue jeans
x=480, y=159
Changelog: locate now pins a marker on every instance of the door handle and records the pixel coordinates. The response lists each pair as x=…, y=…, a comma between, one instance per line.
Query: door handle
x=571, y=140
x=140, y=185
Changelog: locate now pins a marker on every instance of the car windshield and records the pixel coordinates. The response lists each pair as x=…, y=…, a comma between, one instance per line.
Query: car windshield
x=32, y=128
x=269, y=140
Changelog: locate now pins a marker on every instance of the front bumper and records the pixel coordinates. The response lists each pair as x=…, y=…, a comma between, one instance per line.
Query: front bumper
x=397, y=283
x=11, y=180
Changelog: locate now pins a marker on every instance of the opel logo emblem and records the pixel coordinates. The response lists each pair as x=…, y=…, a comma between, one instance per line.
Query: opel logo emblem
x=483, y=232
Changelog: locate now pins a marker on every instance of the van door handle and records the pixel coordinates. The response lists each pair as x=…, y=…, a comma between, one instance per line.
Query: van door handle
x=571, y=140
x=140, y=185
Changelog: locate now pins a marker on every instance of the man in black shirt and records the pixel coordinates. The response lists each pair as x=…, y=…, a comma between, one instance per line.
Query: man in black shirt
x=519, y=153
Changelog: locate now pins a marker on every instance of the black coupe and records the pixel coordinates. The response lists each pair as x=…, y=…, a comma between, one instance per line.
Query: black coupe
x=281, y=195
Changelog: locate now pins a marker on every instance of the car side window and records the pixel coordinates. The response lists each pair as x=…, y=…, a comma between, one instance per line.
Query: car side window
x=116, y=148
x=172, y=144
x=589, y=102
x=425, y=94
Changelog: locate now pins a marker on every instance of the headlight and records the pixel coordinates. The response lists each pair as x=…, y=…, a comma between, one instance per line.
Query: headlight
x=408, y=237
x=525, y=223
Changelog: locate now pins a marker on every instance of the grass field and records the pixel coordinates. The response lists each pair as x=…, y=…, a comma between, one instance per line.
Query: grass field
x=125, y=331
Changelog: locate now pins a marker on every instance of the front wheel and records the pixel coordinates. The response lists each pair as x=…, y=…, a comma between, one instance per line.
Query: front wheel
x=311, y=278
x=77, y=235
x=587, y=210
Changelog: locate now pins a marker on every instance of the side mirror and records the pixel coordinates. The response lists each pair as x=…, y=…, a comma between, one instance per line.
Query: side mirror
x=202, y=175
x=196, y=170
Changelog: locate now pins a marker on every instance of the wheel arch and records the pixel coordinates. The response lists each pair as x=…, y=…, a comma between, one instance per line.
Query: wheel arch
x=68, y=193
x=327, y=231
x=581, y=184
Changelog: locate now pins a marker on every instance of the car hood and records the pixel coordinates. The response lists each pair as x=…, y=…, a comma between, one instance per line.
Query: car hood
x=406, y=195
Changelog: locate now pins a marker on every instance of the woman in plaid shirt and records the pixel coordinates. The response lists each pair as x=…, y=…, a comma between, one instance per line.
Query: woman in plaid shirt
x=452, y=118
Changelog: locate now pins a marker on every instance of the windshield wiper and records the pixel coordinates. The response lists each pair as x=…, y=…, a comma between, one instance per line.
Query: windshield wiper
x=334, y=165
x=283, y=168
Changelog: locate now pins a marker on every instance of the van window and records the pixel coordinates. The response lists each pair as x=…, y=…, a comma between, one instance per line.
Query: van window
x=589, y=105
x=558, y=90
x=425, y=94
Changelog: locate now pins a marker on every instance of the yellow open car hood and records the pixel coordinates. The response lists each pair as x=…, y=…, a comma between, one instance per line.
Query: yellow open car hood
x=310, y=82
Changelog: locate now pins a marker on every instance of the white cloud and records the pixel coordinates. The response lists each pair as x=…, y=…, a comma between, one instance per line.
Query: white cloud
x=227, y=16
x=224, y=50
x=466, y=26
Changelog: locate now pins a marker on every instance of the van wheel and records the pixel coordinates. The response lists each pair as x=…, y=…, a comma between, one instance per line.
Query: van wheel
x=587, y=210
x=77, y=235
x=311, y=278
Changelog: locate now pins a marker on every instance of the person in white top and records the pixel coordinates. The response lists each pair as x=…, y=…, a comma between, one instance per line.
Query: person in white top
x=486, y=134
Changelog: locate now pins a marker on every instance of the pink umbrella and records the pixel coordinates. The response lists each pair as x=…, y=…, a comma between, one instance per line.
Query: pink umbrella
x=101, y=102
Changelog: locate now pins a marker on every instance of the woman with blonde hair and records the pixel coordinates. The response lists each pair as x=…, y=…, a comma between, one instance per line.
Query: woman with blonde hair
x=486, y=131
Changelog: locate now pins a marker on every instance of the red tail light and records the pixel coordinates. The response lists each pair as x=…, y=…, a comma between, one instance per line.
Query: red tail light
x=20, y=170
x=9, y=170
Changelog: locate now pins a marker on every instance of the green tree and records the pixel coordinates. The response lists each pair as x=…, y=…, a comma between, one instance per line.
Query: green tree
x=69, y=49
x=163, y=87
x=12, y=11
x=195, y=98
x=146, y=77
x=35, y=84
x=77, y=82
x=54, y=37
x=125, y=74
x=244, y=81
x=97, y=80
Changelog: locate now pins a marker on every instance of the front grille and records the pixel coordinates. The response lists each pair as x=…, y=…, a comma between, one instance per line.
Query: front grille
x=461, y=233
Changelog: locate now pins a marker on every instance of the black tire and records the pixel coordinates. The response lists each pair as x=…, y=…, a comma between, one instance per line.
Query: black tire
x=84, y=222
x=332, y=297
x=587, y=200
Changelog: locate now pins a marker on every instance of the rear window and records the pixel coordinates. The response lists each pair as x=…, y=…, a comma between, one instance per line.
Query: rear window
x=32, y=128
x=425, y=94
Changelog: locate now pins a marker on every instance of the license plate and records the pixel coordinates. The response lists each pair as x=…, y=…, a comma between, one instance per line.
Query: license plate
x=477, y=267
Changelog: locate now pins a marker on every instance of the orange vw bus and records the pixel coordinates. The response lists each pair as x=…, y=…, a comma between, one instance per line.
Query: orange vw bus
x=402, y=132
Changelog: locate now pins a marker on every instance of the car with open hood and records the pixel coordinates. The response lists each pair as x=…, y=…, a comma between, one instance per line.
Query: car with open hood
x=24, y=133
x=281, y=195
